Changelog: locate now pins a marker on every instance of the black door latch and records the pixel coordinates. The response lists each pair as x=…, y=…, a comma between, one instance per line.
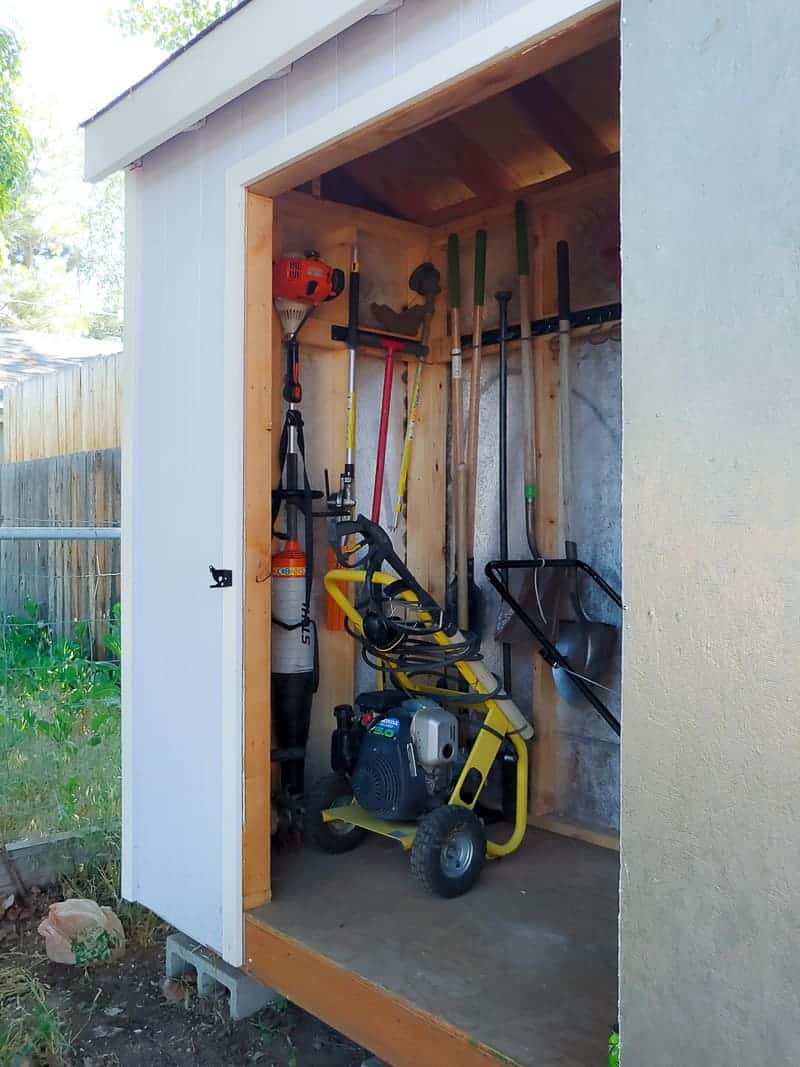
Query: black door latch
x=223, y=579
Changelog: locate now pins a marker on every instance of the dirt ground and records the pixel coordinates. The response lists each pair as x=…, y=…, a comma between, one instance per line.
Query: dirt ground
x=117, y=1015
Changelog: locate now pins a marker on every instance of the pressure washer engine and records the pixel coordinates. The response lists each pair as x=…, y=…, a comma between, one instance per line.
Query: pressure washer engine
x=400, y=753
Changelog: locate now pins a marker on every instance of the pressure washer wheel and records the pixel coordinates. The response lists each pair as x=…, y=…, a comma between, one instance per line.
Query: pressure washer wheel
x=332, y=791
x=448, y=851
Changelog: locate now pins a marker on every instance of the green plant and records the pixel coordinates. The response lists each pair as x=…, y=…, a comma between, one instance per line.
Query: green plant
x=169, y=23
x=28, y=1025
x=15, y=143
x=58, y=705
x=99, y=880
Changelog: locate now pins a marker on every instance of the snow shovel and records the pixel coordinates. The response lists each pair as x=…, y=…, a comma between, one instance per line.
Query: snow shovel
x=588, y=645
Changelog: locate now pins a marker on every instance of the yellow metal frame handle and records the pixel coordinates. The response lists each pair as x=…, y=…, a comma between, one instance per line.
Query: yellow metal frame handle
x=487, y=744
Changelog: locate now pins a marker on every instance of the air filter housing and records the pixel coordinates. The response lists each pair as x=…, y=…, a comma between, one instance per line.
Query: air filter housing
x=387, y=781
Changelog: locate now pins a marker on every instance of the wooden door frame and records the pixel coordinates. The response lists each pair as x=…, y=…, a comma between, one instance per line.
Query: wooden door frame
x=508, y=52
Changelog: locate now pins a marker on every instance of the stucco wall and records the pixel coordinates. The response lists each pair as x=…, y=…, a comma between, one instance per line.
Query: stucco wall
x=710, y=768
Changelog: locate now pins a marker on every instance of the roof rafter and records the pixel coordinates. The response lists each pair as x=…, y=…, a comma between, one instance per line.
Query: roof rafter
x=466, y=159
x=559, y=124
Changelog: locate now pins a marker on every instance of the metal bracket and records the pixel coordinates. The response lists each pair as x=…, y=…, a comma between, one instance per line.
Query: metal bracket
x=223, y=579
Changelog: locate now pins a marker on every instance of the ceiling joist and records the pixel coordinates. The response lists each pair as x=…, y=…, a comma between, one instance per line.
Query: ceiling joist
x=547, y=189
x=466, y=159
x=374, y=174
x=558, y=124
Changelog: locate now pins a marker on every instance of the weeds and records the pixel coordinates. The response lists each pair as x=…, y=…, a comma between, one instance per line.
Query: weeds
x=99, y=880
x=28, y=1025
x=59, y=727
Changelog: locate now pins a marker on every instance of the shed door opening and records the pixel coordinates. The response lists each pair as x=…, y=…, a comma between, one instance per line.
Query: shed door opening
x=495, y=963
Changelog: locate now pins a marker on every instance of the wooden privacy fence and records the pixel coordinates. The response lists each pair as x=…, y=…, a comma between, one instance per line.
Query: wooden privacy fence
x=75, y=583
x=73, y=410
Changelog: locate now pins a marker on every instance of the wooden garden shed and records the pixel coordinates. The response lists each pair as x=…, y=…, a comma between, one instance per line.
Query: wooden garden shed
x=391, y=127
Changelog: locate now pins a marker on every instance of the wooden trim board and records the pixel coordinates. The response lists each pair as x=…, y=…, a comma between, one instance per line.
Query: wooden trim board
x=258, y=554
x=592, y=835
x=387, y=1025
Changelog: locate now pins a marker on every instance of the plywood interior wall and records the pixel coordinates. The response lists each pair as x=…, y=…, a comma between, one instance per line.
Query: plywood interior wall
x=574, y=757
x=388, y=251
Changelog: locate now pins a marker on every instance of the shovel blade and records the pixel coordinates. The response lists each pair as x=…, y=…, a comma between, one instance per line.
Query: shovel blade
x=544, y=609
x=590, y=648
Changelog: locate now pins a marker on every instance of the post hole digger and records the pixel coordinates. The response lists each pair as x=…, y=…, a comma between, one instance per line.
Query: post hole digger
x=404, y=766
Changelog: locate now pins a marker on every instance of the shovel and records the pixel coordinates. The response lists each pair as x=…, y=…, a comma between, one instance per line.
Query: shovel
x=542, y=592
x=588, y=645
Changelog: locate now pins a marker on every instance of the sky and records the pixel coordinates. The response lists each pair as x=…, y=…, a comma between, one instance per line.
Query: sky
x=75, y=61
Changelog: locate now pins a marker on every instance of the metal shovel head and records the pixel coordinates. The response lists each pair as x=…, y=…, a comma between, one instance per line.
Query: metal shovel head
x=589, y=646
x=544, y=609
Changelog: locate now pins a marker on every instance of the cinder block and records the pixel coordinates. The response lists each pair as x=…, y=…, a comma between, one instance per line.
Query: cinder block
x=246, y=995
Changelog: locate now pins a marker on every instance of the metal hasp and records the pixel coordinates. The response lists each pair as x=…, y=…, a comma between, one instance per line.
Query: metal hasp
x=223, y=578
x=494, y=570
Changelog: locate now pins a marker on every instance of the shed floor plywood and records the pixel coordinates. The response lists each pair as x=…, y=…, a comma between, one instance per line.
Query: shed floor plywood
x=526, y=963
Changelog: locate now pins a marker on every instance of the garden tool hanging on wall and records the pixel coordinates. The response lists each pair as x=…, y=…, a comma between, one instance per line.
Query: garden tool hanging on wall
x=588, y=645
x=425, y=280
x=299, y=285
x=462, y=593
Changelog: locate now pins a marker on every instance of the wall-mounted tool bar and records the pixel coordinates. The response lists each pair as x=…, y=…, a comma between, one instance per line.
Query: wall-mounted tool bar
x=372, y=339
x=594, y=316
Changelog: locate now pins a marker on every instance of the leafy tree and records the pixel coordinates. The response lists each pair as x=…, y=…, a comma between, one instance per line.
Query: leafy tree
x=169, y=23
x=15, y=144
x=101, y=260
x=63, y=242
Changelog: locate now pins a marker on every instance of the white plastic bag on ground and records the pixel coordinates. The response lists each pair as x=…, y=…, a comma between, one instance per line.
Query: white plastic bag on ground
x=80, y=931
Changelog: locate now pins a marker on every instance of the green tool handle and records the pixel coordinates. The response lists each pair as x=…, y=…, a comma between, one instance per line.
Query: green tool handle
x=521, y=222
x=480, y=267
x=453, y=272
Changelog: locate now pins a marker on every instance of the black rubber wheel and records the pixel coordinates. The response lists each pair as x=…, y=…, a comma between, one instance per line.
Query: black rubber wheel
x=332, y=791
x=449, y=850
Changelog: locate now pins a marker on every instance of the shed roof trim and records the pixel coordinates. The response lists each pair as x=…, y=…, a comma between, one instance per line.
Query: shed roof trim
x=253, y=42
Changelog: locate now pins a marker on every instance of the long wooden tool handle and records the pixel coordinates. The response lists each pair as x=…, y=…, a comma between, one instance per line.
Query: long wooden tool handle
x=475, y=387
x=454, y=298
x=457, y=415
x=528, y=380
x=405, y=463
x=565, y=406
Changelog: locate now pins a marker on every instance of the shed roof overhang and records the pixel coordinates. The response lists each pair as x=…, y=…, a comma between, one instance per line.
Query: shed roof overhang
x=254, y=42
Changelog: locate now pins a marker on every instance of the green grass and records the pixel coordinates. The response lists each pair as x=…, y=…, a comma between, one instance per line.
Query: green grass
x=59, y=729
x=29, y=1026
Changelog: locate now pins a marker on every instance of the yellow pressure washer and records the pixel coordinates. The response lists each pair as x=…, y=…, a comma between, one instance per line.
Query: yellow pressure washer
x=404, y=765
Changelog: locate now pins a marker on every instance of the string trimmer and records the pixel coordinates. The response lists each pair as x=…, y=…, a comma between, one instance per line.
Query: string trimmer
x=300, y=283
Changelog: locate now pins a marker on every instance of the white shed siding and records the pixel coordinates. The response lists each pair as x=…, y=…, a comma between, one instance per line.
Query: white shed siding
x=184, y=809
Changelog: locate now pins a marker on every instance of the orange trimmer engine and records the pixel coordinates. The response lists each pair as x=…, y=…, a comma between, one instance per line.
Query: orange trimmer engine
x=300, y=283
x=306, y=279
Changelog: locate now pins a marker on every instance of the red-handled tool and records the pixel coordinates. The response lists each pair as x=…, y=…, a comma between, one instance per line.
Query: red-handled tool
x=390, y=348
